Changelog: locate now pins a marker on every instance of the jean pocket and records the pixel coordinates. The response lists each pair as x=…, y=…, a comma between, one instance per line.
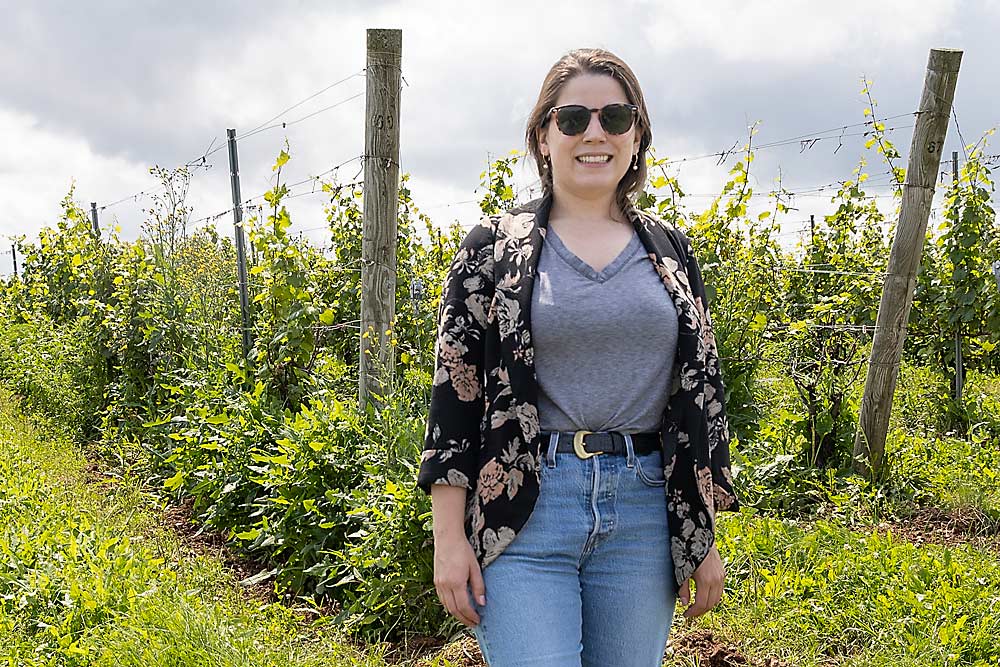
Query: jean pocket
x=649, y=469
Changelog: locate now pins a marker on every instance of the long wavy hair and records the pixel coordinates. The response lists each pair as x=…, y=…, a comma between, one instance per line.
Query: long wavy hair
x=591, y=61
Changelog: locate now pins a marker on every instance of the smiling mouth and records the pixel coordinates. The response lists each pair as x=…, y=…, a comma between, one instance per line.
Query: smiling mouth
x=602, y=160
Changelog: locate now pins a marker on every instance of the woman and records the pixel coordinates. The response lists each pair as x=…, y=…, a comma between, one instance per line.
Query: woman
x=577, y=446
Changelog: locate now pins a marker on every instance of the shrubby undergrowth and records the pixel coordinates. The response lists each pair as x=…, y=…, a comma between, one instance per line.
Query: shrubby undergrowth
x=137, y=347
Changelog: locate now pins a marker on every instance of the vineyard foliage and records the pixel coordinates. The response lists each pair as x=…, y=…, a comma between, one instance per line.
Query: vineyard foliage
x=137, y=346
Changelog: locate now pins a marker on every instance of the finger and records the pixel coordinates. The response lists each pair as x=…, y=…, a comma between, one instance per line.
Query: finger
x=701, y=591
x=441, y=596
x=477, y=584
x=685, y=592
x=464, y=606
x=446, y=602
x=455, y=609
x=716, y=595
x=710, y=597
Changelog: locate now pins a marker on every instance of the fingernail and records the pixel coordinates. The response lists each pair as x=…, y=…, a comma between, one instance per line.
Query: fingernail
x=482, y=599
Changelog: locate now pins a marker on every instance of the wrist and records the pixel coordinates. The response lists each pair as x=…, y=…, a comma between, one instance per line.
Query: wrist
x=449, y=534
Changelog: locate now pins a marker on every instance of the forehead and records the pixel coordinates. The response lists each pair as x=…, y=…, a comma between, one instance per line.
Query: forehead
x=592, y=90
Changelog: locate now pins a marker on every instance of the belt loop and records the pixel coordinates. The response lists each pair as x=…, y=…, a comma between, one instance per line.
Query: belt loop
x=550, y=454
x=629, y=451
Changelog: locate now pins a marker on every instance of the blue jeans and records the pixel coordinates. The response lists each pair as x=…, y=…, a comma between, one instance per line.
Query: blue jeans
x=589, y=579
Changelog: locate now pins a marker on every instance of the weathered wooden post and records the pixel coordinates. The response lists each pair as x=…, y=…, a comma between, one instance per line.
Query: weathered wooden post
x=381, y=205
x=904, y=258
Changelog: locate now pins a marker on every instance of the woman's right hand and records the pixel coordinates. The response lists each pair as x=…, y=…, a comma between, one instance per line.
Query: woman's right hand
x=455, y=570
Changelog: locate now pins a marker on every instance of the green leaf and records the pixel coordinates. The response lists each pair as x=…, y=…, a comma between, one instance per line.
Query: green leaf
x=174, y=482
x=282, y=160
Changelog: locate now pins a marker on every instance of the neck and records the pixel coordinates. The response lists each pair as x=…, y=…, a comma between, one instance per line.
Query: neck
x=587, y=209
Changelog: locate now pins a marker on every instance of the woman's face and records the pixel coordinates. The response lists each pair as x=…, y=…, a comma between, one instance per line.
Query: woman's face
x=571, y=175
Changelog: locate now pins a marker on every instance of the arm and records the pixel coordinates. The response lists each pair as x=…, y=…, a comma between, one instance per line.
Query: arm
x=449, y=462
x=709, y=577
x=457, y=404
x=715, y=398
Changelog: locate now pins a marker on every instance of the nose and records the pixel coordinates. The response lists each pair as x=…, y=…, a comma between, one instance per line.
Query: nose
x=594, y=128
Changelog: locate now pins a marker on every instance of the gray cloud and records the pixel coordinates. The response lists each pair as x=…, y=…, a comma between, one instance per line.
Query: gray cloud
x=145, y=83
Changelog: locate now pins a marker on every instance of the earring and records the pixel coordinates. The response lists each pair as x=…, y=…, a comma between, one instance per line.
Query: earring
x=635, y=166
x=545, y=162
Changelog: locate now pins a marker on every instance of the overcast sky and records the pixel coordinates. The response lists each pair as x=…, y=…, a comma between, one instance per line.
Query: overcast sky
x=96, y=93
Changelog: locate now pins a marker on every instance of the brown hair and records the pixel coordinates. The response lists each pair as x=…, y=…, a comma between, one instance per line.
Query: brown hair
x=591, y=61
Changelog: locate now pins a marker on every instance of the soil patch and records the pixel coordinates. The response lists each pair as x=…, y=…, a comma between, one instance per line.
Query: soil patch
x=209, y=543
x=951, y=528
x=425, y=650
x=702, y=648
x=699, y=647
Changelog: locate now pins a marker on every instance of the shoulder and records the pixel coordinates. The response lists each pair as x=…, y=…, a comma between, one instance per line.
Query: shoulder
x=482, y=233
x=666, y=229
x=521, y=214
x=531, y=207
x=516, y=221
x=683, y=240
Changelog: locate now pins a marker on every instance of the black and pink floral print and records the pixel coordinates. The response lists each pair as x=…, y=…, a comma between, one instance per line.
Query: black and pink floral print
x=482, y=428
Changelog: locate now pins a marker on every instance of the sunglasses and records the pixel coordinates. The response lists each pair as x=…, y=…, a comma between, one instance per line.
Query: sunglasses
x=572, y=119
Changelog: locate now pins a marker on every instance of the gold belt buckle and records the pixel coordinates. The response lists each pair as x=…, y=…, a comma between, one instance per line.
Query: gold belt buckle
x=578, y=445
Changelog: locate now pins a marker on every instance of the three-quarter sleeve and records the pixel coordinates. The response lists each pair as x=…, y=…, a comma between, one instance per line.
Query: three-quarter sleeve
x=457, y=404
x=715, y=396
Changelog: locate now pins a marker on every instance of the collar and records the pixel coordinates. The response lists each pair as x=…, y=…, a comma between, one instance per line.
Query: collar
x=519, y=236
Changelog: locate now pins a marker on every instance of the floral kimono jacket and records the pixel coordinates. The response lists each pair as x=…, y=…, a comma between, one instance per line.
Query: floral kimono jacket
x=483, y=429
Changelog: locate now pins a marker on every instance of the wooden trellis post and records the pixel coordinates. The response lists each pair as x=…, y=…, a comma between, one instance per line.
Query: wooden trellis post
x=381, y=206
x=904, y=258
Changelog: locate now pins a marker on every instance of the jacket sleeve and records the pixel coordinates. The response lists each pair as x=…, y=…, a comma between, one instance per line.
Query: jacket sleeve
x=457, y=404
x=715, y=397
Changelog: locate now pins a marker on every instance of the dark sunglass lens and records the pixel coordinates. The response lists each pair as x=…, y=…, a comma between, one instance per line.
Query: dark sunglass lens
x=573, y=119
x=616, y=118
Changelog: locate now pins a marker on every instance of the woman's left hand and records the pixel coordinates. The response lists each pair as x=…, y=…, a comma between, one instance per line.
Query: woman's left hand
x=708, y=583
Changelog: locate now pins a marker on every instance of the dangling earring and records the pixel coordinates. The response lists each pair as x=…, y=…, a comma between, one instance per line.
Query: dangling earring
x=545, y=162
x=635, y=166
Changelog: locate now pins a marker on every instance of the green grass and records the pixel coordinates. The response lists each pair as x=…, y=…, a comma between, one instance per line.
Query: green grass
x=813, y=583
x=89, y=577
x=818, y=594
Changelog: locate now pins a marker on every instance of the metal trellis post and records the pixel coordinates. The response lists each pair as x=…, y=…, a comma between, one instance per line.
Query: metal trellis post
x=959, y=366
x=241, y=256
x=93, y=219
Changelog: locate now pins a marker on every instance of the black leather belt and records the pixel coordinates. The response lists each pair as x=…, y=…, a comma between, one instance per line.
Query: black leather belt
x=586, y=443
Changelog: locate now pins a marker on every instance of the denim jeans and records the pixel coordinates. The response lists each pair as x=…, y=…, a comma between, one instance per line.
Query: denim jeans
x=588, y=581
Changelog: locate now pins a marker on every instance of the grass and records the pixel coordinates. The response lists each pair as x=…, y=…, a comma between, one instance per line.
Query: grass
x=838, y=581
x=89, y=577
x=817, y=593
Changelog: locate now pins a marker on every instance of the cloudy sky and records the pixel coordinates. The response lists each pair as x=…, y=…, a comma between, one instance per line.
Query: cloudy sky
x=96, y=93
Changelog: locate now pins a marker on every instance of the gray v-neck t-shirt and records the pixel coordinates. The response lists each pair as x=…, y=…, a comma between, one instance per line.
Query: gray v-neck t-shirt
x=604, y=341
